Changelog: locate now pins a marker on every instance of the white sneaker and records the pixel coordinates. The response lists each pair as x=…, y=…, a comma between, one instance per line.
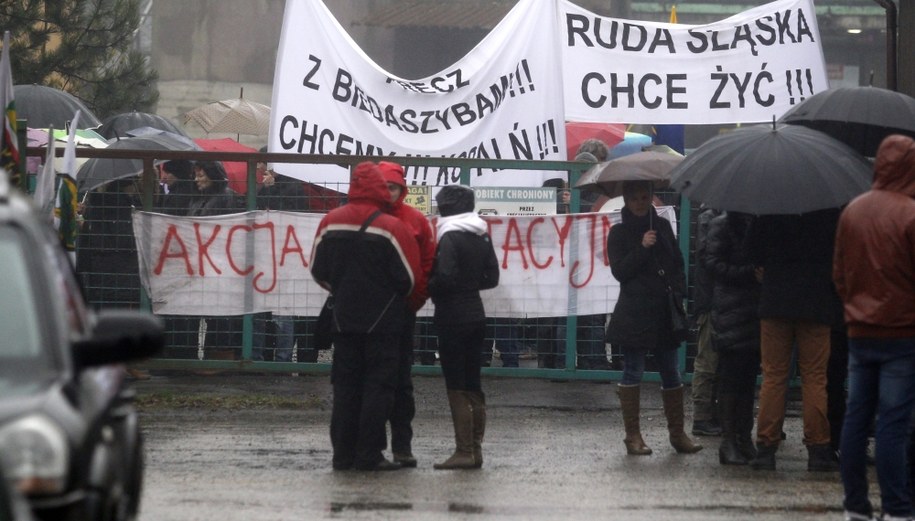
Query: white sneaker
x=895, y=518
x=854, y=516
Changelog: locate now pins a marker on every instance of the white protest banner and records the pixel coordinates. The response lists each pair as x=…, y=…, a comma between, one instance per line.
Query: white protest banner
x=552, y=265
x=501, y=101
x=750, y=67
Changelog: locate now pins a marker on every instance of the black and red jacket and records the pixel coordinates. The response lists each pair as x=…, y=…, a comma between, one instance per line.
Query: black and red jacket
x=370, y=274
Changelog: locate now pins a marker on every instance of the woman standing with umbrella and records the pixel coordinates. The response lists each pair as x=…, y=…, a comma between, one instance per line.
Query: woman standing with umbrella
x=645, y=260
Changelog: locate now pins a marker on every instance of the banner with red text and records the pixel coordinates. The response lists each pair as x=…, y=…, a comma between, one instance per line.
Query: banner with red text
x=552, y=265
x=751, y=67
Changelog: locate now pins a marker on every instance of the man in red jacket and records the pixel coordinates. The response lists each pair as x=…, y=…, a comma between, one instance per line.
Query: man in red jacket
x=369, y=261
x=874, y=273
x=404, y=404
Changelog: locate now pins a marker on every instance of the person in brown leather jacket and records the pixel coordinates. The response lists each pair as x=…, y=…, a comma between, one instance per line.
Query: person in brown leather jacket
x=874, y=273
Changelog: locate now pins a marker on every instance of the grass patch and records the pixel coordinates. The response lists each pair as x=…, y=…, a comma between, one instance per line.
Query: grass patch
x=158, y=400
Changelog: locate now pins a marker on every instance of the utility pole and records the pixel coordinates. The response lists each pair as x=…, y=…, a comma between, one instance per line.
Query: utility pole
x=905, y=60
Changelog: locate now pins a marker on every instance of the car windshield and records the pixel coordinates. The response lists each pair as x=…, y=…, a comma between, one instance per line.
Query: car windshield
x=21, y=353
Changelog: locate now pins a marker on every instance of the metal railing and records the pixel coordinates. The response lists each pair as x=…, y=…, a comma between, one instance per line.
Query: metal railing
x=149, y=186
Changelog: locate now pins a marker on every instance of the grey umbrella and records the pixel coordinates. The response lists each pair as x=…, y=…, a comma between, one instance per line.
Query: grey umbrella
x=771, y=170
x=857, y=116
x=98, y=171
x=120, y=125
x=45, y=107
x=653, y=163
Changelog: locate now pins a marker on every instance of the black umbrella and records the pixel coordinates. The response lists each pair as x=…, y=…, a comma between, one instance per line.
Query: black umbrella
x=770, y=170
x=45, y=107
x=98, y=171
x=857, y=116
x=120, y=124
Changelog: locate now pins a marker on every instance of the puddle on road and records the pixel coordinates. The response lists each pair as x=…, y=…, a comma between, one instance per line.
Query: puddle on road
x=362, y=506
x=366, y=506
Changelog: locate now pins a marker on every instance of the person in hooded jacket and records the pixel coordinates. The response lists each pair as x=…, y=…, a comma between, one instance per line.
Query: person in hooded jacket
x=874, y=273
x=735, y=332
x=645, y=260
x=371, y=273
x=404, y=405
x=465, y=264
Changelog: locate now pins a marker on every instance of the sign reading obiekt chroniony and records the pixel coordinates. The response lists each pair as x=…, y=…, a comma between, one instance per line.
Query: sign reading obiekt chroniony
x=546, y=62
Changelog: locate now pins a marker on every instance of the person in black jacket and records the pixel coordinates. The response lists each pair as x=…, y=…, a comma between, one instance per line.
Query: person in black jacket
x=177, y=176
x=282, y=193
x=735, y=326
x=797, y=308
x=465, y=263
x=645, y=260
x=214, y=197
x=177, y=179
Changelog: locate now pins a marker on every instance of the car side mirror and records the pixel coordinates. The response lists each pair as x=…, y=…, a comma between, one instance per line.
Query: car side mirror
x=120, y=336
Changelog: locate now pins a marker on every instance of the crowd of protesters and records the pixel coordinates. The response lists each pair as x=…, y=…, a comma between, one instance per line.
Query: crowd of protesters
x=824, y=292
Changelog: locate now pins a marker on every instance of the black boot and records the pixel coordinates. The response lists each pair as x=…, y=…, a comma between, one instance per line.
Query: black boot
x=729, y=452
x=765, y=457
x=821, y=458
x=743, y=424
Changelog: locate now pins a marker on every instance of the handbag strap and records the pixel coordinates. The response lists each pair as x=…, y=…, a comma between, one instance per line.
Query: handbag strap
x=369, y=220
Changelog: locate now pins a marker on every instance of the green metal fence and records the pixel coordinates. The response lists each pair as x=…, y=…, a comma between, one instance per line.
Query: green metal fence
x=107, y=265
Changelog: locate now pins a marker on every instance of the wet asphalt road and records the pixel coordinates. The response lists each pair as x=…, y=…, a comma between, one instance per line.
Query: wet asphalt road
x=552, y=451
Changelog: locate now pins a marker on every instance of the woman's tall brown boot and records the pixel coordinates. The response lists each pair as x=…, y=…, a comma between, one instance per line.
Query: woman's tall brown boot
x=630, y=404
x=673, y=410
x=478, y=403
x=462, y=418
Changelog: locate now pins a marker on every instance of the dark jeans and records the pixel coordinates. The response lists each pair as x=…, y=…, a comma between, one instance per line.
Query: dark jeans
x=509, y=338
x=881, y=381
x=404, y=404
x=364, y=376
x=634, y=366
x=460, y=347
x=836, y=375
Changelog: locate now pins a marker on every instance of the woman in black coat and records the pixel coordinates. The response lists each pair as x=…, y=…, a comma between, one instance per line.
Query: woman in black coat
x=465, y=263
x=735, y=322
x=645, y=259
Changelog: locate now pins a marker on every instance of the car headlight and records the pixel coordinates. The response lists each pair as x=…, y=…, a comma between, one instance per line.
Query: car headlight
x=35, y=455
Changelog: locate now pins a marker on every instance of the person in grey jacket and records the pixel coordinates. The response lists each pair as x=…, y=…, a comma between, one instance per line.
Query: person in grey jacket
x=465, y=264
